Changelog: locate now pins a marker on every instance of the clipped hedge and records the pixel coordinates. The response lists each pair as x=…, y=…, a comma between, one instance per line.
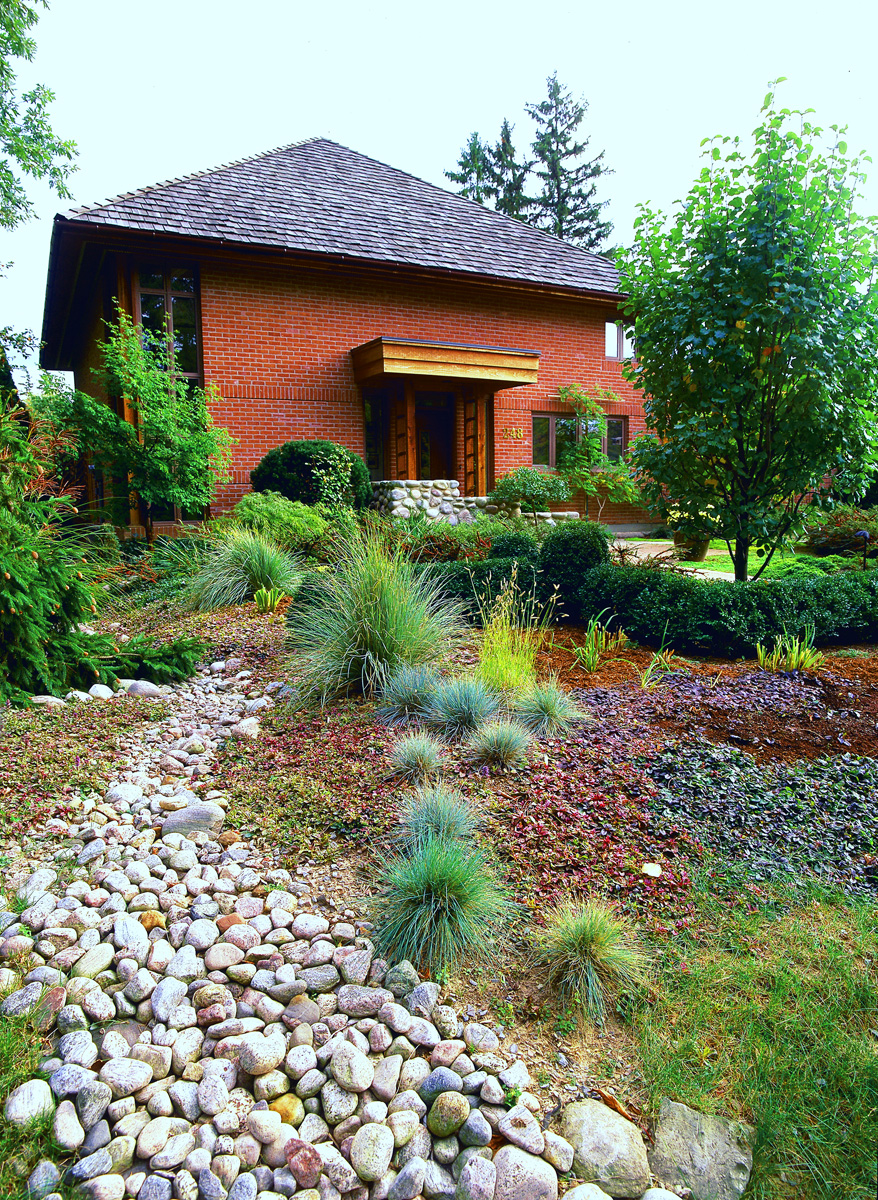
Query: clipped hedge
x=476, y=584
x=568, y=553
x=714, y=616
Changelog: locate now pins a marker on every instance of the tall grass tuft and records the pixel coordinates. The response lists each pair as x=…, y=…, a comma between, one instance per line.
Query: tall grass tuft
x=438, y=907
x=406, y=695
x=239, y=563
x=417, y=757
x=499, y=744
x=460, y=705
x=589, y=953
x=438, y=811
x=515, y=623
x=547, y=710
x=791, y=653
x=375, y=612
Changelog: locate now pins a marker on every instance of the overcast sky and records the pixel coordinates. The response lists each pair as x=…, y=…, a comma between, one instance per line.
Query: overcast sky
x=157, y=89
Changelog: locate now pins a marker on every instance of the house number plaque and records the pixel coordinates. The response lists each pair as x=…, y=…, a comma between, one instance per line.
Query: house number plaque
x=512, y=434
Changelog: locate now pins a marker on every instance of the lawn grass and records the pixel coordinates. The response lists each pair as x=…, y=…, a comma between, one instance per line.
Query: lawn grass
x=768, y=1013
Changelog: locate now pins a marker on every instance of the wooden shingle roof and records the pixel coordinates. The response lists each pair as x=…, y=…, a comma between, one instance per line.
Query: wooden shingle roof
x=317, y=197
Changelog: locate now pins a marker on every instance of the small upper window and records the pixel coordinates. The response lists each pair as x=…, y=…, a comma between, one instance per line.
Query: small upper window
x=167, y=305
x=618, y=340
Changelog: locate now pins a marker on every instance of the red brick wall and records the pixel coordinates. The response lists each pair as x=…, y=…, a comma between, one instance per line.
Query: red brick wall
x=277, y=345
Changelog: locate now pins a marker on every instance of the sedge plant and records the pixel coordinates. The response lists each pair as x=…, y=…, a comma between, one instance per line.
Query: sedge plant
x=240, y=563
x=436, y=811
x=791, y=653
x=438, y=907
x=599, y=643
x=417, y=757
x=503, y=744
x=590, y=953
x=461, y=704
x=406, y=694
x=547, y=710
x=515, y=625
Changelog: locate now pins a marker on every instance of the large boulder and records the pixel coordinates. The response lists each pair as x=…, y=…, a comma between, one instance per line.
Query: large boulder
x=607, y=1149
x=712, y=1156
x=522, y=1176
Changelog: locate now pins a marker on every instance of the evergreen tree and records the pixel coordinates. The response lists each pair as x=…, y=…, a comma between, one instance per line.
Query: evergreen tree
x=508, y=177
x=566, y=206
x=473, y=172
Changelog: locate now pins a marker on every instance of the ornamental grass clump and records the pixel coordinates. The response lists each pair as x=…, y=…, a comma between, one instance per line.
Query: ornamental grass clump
x=547, y=710
x=417, y=757
x=460, y=705
x=407, y=694
x=499, y=744
x=438, y=907
x=240, y=563
x=590, y=954
x=436, y=811
x=515, y=624
x=374, y=613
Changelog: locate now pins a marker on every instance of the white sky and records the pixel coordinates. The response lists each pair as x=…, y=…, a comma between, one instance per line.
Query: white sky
x=159, y=88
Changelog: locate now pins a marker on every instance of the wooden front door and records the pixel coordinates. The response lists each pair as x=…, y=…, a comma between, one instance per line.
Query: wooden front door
x=434, y=434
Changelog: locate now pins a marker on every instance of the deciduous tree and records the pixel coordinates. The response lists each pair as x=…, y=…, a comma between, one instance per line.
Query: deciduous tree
x=756, y=321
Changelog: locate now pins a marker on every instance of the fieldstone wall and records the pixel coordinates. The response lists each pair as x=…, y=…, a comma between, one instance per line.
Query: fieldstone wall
x=440, y=500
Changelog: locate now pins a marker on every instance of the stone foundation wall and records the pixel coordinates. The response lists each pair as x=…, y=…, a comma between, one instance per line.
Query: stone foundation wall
x=440, y=500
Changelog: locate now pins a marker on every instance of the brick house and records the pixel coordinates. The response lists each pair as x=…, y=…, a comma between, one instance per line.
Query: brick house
x=328, y=295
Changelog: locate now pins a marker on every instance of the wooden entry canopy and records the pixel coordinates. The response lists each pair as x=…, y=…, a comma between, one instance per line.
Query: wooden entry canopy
x=474, y=373
x=500, y=366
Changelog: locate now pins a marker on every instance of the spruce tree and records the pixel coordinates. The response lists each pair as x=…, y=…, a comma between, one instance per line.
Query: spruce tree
x=566, y=206
x=508, y=177
x=473, y=174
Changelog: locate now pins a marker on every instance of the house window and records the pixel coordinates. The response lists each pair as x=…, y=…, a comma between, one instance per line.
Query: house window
x=618, y=340
x=167, y=302
x=555, y=433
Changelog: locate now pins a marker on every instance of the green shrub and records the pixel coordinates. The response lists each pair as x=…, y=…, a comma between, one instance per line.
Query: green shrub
x=238, y=565
x=567, y=554
x=811, y=564
x=498, y=744
x=514, y=544
x=722, y=617
x=167, y=662
x=417, y=757
x=588, y=951
x=438, y=907
x=314, y=471
x=547, y=710
x=435, y=811
x=834, y=531
x=292, y=525
x=531, y=488
x=460, y=705
x=406, y=695
x=373, y=613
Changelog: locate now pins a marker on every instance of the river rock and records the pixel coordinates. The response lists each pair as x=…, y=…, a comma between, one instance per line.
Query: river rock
x=607, y=1149
x=710, y=1155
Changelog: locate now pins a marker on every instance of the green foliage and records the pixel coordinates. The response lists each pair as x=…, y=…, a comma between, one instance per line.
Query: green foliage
x=500, y=743
x=515, y=625
x=290, y=524
x=718, y=617
x=417, y=757
x=439, y=907
x=163, y=662
x=547, y=710
x=598, y=643
x=476, y=585
x=566, y=205
x=474, y=173
x=373, y=613
x=28, y=141
x=810, y=564
x=791, y=653
x=514, y=544
x=585, y=464
x=314, y=471
x=757, y=342
x=531, y=489
x=508, y=176
x=460, y=705
x=589, y=953
x=435, y=811
x=568, y=553
x=835, y=532
x=406, y=694
x=238, y=565
x=268, y=600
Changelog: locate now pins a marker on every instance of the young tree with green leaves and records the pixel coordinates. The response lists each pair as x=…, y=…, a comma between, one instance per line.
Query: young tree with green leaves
x=585, y=463
x=509, y=176
x=756, y=321
x=474, y=172
x=29, y=145
x=566, y=205
x=172, y=453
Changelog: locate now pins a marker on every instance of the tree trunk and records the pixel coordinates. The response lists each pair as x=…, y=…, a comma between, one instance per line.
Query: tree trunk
x=742, y=553
x=150, y=534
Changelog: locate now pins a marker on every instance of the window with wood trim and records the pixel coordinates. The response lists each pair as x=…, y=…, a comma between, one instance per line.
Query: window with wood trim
x=167, y=303
x=618, y=340
x=553, y=433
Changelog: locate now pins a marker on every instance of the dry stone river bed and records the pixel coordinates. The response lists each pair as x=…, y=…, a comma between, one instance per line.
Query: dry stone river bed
x=222, y=1030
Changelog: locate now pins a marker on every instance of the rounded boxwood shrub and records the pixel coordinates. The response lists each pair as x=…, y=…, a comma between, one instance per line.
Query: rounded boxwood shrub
x=314, y=471
x=567, y=554
x=514, y=544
